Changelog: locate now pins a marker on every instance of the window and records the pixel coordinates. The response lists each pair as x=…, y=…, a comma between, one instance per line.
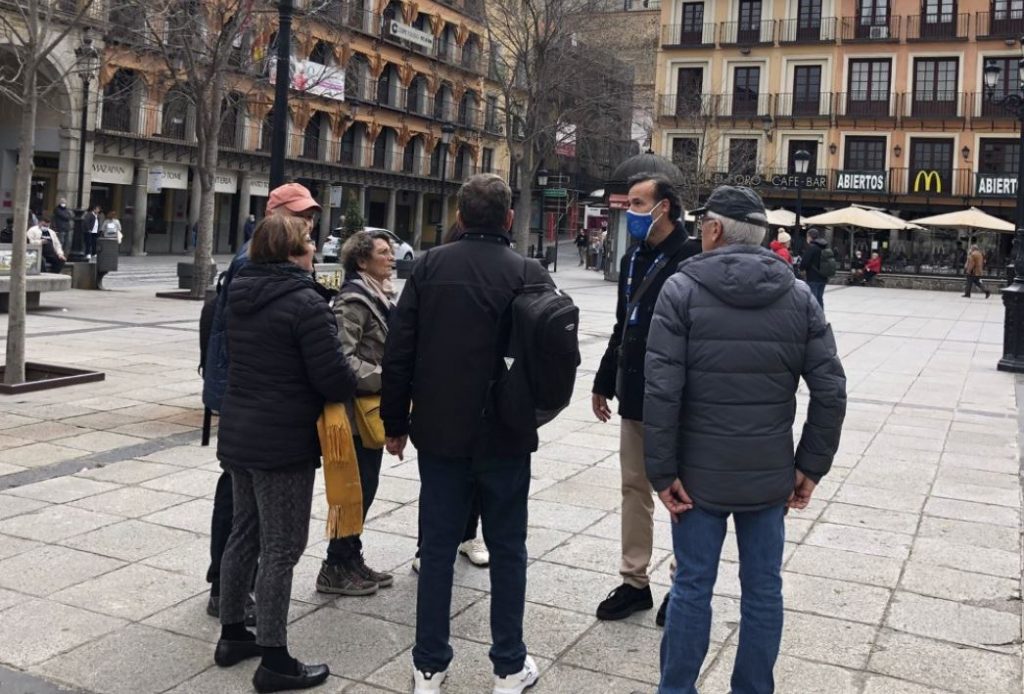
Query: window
x=873, y=19
x=492, y=114
x=865, y=154
x=380, y=150
x=869, y=88
x=746, y=85
x=742, y=157
x=931, y=166
x=999, y=157
x=350, y=146
x=935, y=86
x=487, y=160
x=693, y=24
x=937, y=18
x=807, y=90
x=119, y=101
x=174, y=115
x=311, y=137
x=1003, y=10
x=230, y=115
x=1007, y=84
x=808, y=27
x=750, y=21
x=689, y=91
x=409, y=159
x=685, y=154
x=267, y=132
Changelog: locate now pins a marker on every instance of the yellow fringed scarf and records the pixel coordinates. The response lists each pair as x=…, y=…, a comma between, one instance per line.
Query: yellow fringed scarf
x=341, y=472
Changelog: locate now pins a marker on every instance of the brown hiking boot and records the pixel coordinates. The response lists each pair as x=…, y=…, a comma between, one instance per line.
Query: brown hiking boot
x=381, y=579
x=343, y=580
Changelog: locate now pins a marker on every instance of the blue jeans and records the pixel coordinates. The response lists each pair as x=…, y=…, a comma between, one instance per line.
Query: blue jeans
x=818, y=290
x=447, y=488
x=697, y=538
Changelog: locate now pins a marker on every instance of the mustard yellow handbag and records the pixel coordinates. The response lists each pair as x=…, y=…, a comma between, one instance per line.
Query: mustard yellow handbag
x=368, y=421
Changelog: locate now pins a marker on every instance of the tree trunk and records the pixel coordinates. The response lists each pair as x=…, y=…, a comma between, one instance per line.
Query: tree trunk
x=14, y=371
x=524, y=206
x=207, y=169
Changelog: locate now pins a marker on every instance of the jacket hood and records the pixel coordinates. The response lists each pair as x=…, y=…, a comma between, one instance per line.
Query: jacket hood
x=820, y=242
x=741, y=276
x=257, y=285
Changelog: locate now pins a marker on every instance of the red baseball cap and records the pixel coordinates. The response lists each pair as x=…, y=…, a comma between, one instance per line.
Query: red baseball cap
x=294, y=197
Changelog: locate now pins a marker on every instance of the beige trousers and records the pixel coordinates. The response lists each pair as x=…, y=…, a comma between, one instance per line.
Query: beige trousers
x=637, y=506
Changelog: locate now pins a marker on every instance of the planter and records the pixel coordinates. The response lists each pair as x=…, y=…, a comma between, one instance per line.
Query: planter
x=186, y=270
x=46, y=376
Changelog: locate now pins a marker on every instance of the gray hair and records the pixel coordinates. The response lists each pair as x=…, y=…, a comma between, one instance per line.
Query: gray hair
x=735, y=232
x=359, y=247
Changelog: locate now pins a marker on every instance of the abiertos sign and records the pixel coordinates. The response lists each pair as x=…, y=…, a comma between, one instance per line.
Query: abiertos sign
x=861, y=181
x=995, y=185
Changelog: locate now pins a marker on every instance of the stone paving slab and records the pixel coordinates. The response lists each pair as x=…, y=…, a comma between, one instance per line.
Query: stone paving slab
x=903, y=577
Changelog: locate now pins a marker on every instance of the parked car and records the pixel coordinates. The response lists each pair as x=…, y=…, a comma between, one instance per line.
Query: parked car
x=332, y=245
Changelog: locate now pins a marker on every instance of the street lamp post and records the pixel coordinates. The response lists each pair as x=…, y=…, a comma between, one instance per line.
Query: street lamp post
x=542, y=183
x=447, y=130
x=1013, y=295
x=88, y=59
x=282, y=81
x=801, y=160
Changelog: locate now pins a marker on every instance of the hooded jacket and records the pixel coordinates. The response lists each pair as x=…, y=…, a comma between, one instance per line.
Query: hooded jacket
x=811, y=261
x=285, y=363
x=781, y=250
x=732, y=334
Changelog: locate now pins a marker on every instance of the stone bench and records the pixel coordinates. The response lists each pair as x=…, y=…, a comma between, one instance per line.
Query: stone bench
x=945, y=283
x=35, y=285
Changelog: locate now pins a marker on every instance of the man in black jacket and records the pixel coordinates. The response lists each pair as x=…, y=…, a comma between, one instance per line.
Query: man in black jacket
x=810, y=263
x=732, y=334
x=660, y=245
x=443, y=350
x=62, y=221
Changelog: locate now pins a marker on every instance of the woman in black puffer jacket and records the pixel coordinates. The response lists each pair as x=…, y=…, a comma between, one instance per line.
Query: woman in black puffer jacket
x=286, y=362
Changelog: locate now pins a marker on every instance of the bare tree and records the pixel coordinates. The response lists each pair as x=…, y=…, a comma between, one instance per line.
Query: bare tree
x=541, y=68
x=30, y=73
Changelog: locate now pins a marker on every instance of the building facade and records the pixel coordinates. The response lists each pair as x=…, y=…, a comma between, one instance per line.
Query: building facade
x=887, y=97
x=398, y=71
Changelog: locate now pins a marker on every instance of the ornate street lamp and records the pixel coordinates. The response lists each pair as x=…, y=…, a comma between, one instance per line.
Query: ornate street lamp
x=447, y=130
x=1013, y=295
x=88, y=60
x=801, y=160
x=282, y=82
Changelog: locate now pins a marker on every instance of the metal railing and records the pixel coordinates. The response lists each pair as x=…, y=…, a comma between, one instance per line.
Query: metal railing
x=747, y=33
x=938, y=27
x=944, y=182
x=689, y=105
x=865, y=104
x=419, y=103
x=938, y=104
x=1008, y=23
x=859, y=29
x=744, y=105
x=117, y=116
x=985, y=107
x=804, y=105
x=804, y=31
x=687, y=36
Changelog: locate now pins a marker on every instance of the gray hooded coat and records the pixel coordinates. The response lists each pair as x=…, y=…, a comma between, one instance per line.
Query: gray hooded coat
x=732, y=334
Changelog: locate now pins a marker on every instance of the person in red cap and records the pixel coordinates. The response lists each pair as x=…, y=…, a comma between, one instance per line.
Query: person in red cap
x=292, y=200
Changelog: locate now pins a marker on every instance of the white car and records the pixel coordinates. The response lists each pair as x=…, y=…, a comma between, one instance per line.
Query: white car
x=332, y=245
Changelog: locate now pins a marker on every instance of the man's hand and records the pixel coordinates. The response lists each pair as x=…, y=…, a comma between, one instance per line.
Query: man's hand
x=396, y=445
x=600, y=405
x=676, y=500
x=803, y=487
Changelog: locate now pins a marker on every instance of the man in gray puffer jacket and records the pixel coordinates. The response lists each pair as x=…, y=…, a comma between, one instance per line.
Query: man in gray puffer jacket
x=732, y=334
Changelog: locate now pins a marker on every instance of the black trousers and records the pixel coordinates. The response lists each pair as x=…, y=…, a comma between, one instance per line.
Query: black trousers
x=344, y=549
x=973, y=281
x=90, y=243
x=220, y=529
x=471, y=523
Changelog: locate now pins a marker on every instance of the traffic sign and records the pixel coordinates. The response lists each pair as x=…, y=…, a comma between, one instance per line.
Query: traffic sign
x=556, y=193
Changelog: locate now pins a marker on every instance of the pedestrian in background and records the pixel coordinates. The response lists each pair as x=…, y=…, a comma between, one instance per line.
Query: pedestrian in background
x=660, y=243
x=286, y=363
x=780, y=246
x=91, y=230
x=62, y=221
x=872, y=268
x=441, y=356
x=974, y=266
x=250, y=226
x=53, y=252
x=814, y=265
x=112, y=227
x=362, y=309
x=732, y=334
x=581, y=246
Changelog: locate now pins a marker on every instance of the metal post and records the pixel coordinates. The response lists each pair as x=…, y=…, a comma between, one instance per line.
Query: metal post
x=78, y=231
x=799, y=206
x=439, y=234
x=279, y=138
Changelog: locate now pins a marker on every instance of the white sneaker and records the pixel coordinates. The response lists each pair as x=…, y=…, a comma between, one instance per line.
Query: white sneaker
x=519, y=682
x=476, y=551
x=428, y=682
x=416, y=564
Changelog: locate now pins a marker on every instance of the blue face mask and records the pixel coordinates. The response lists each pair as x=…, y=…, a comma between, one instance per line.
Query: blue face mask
x=640, y=224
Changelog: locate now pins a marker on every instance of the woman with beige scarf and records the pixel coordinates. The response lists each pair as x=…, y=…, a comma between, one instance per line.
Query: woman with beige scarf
x=361, y=308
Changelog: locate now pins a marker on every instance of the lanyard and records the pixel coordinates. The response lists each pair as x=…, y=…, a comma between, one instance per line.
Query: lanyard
x=632, y=266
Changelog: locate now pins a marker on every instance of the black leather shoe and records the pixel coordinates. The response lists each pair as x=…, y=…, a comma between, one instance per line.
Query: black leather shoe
x=659, y=619
x=624, y=601
x=309, y=676
x=230, y=653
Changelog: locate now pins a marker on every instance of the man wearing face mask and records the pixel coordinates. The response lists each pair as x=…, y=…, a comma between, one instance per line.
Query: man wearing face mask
x=660, y=243
x=62, y=220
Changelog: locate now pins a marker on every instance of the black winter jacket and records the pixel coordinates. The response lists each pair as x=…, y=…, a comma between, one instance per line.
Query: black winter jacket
x=732, y=334
x=811, y=259
x=677, y=247
x=285, y=363
x=442, y=349
x=62, y=219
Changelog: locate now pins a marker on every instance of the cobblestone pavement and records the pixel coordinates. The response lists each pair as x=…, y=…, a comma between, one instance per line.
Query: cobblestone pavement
x=903, y=577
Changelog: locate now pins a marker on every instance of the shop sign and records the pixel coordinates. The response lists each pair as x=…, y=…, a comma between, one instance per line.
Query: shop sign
x=336, y=196
x=927, y=182
x=225, y=182
x=410, y=34
x=805, y=181
x=996, y=185
x=861, y=181
x=156, y=180
x=175, y=176
x=116, y=171
x=618, y=202
x=259, y=187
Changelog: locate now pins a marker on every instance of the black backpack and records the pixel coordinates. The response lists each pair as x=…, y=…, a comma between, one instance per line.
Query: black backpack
x=827, y=265
x=537, y=372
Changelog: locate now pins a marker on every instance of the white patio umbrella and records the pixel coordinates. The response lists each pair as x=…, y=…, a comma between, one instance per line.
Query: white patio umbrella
x=857, y=216
x=781, y=218
x=971, y=218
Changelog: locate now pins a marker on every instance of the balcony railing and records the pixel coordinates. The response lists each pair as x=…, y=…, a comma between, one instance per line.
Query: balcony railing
x=859, y=29
x=747, y=33
x=688, y=36
x=364, y=21
x=745, y=105
x=117, y=116
x=803, y=31
x=864, y=104
x=1004, y=24
x=944, y=182
x=689, y=105
x=803, y=105
x=988, y=108
x=420, y=104
x=938, y=27
x=937, y=104
x=469, y=117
